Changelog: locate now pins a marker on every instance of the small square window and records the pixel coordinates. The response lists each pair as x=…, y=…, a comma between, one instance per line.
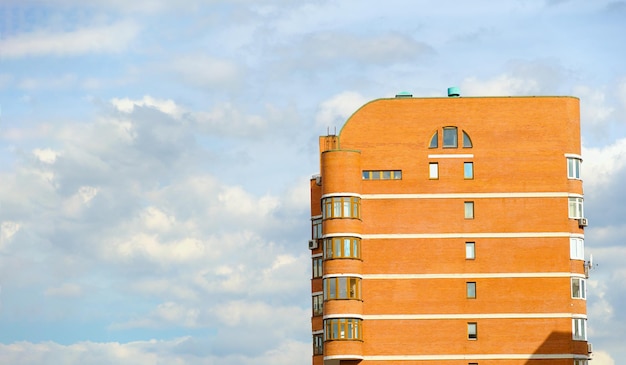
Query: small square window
x=433, y=170
x=386, y=175
x=468, y=170
x=469, y=210
x=397, y=175
x=366, y=175
x=470, y=250
x=472, y=331
x=470, y=288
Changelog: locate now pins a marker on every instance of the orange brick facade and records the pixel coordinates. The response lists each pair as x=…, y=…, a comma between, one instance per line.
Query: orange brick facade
x=422, y=297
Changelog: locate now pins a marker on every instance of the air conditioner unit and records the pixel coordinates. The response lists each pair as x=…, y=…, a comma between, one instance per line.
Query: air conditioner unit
x=589, y=348
x=582, y=222
x=312, y=244
x=318, y=180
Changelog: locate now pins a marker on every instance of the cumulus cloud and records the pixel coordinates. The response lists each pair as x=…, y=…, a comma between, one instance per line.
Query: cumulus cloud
x=336, y=110
x=96, y=39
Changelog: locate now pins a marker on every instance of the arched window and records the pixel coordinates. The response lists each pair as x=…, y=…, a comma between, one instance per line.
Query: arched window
x=450, y=138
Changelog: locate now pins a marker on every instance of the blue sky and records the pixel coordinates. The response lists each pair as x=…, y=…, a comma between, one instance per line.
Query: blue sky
x=155, y=157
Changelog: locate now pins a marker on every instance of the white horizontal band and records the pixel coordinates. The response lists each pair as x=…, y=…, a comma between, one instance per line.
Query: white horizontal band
x=344, y=357
x=343, y=315
x=314, y=217
x=318, y=332
x=351, y=275
x=473, y=357
x=469, y=235
x=573, y=155
x=538, y=194
x=317, y=255
x=317, y=293
x=449, y=155
x=341, y=194
x=472, y=316
x=342, y=234
x=474, y=275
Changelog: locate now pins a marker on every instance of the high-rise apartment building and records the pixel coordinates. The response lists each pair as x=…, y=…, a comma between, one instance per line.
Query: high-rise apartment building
x=451, y=231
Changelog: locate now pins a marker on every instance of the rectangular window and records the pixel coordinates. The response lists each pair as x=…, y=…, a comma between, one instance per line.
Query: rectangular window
x=318, y=344
x=468, y=170
x=433, y=170
x=573, y=168
x=382, y=175
x=579, y=288
x=575, y=208
x=318, y=304
x=472, y=331
x=450, y=137
x=577, y=248
x=470, y=250
x=470, y=288
x=317, y=228
x=579, y=329
x=469, y=210
x=317, y=267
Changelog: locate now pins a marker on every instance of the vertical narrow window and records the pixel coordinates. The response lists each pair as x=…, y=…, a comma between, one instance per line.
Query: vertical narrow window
x=573, y=168
x=577, y=248
x=579, y=288
x=467, y=142
x=470, y=250
x=434, y=140
x=579, y=329
x=450, y=137
x=318, y=344
x=433, y=170
x=317, y=267
x=468, y=170
x=470, y=288
x=472, y=331
x=317, y=228
x=469, y=210
x=318, y=304
x=575, y=208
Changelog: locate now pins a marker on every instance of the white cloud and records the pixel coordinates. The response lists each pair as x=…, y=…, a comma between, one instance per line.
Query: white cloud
x=45, y=155
x=595, y=111
x=167, y=106
x=7, y=230
x=602, y=164
x=602, y=358
x=502, y=85
x=335, y=111
x=96, y=39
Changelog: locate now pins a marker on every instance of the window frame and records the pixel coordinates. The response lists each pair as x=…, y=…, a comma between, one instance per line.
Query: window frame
x=318, y=267
x=470, y=254
x=316, y=228
x=574, y=165
x=343, y=329
x=575, y=207
x=317, y=304
x=341, y=207
x=455, y=143
x=318, y=344
x=342, y=288
x=470, y=289
x=581, y=292
x=576, y=248
x=471, y=170
x=433, y=170
x=335, y=247
x=469, y=214
x=472, y=331
x=579, y=329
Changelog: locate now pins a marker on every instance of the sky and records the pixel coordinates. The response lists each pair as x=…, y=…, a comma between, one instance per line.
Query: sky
x=155, y=157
